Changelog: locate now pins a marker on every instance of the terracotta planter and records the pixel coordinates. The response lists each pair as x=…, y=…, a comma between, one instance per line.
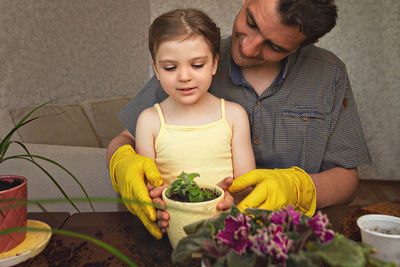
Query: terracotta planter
x=14, y=217
x=184, y=213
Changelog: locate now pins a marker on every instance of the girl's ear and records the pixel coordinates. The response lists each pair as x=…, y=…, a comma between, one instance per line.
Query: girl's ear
x=215, y=66
x=155, y=69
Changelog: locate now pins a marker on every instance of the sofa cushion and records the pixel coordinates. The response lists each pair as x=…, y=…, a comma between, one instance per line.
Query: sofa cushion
x=57, y=124
x=103, y=115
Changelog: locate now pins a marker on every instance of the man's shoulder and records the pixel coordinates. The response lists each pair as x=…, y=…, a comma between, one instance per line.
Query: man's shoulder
x=320, y=55
x=225, y=45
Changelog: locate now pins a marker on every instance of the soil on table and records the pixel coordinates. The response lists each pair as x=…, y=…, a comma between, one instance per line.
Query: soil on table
x=350, y=228
x=6, y=185
x=180, y=198
x=146, y=252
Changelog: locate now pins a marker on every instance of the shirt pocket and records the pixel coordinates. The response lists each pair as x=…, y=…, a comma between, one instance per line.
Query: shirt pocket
x=301, y=137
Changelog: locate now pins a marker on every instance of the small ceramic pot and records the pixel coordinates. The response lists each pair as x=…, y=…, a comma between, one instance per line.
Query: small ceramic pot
x=14, y=217
x=184, y=213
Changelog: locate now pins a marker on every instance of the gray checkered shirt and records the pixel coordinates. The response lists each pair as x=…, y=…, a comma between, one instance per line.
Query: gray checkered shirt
x=307, y=117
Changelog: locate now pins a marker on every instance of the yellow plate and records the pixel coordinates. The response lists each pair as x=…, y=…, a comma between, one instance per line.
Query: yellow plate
x=33, y=244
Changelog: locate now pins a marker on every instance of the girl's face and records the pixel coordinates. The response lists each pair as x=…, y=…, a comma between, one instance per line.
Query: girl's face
x=185, y=68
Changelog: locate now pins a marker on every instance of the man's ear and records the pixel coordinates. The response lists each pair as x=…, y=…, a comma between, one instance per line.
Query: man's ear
x=215, y=66
x=155, y=69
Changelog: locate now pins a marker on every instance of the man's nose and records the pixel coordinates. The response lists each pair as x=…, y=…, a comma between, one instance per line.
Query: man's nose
x=251, y=45
x=184, y=74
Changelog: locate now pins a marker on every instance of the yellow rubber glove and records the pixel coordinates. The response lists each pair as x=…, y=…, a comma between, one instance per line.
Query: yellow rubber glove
x=277, y=188
x=127, y=171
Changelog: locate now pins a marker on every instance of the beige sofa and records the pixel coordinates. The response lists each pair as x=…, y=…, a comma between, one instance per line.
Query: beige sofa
x=76, y=136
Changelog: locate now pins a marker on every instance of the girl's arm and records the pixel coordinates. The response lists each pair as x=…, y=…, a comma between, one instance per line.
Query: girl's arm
x=146, y=131
x=242, y=151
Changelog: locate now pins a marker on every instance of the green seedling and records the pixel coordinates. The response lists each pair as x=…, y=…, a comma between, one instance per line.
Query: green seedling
x=187, y=188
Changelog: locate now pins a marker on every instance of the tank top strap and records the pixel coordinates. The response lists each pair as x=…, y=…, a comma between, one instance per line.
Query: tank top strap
x=223, y=108
x=160, y=113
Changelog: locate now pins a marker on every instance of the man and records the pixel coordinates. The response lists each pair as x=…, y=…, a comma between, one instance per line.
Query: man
x=301, y=110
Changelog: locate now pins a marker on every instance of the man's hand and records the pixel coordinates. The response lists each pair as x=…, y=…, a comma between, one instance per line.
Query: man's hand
x=277, y=188
x=127, y=170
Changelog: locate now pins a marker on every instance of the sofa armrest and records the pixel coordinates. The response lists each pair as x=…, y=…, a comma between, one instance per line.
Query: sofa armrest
x=87, y=164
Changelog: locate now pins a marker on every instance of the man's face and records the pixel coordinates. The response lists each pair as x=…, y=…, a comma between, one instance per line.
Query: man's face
x=259, y=37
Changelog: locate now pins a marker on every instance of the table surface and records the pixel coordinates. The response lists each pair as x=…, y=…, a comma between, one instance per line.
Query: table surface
x=126, y=233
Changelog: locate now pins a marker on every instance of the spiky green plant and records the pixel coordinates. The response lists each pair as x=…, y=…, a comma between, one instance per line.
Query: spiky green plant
x=6, y=142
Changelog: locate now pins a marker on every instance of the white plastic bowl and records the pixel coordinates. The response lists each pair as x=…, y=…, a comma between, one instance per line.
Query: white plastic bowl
x=382, y=232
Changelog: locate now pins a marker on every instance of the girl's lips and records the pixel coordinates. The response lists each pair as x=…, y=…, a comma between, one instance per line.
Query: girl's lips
x=187, y=91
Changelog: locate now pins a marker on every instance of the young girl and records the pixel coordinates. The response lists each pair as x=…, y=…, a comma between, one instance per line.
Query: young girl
x=192, y=130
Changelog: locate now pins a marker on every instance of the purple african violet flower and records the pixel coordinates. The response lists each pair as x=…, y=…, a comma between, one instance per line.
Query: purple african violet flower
x=272, y=241
x=236, y=233
x=278, y=217
x=319, y=224
x=327, y=236
x=286, y=214
x=294, y=215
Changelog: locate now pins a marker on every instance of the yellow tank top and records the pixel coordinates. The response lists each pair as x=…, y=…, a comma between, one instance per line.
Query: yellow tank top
x=205, y=149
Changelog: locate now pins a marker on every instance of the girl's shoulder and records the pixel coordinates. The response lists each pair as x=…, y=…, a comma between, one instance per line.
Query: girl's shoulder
x=149, y=113
x=234, y=112
x=234, y=108
x=149, y=119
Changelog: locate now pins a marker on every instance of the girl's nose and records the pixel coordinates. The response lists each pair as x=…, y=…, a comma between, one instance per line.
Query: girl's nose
x=184, y=75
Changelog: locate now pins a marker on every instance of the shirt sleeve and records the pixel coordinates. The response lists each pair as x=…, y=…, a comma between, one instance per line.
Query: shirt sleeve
x=346, y=145
x=149, y=95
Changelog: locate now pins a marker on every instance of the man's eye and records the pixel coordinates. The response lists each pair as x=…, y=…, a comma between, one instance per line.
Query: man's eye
x=275, y=49
x=198, y=66
x=272, y=46
x=169, y=68
x=251, y=23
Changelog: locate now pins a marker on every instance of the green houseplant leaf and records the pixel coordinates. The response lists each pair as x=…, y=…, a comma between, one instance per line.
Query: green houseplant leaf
x=187, y=188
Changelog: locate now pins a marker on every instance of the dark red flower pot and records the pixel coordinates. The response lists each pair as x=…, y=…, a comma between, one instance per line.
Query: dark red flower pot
x=14, y=217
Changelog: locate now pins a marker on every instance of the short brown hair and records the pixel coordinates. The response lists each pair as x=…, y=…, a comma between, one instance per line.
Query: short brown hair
x=183, y=23
x=314, y=18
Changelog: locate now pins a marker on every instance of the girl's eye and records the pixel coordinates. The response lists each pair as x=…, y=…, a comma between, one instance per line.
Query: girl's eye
x=198, y=66
x=169, y=68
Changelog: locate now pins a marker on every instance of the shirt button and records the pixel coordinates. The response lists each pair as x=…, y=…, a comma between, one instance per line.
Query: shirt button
x=256, y=141
x=258, y=102
x=305, y=118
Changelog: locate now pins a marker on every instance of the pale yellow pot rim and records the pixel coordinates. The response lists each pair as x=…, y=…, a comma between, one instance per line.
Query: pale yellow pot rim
x=196, y=204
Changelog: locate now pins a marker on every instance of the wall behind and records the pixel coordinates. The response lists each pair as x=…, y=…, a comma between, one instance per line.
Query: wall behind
x=367, y=39
x=80, y=49
x=222, y=12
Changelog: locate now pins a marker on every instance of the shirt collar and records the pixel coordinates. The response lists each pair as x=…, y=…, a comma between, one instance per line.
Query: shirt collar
x=238, y=79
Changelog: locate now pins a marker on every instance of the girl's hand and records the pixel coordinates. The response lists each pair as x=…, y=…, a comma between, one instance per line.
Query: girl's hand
x=162, y=215
x=228, y=199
